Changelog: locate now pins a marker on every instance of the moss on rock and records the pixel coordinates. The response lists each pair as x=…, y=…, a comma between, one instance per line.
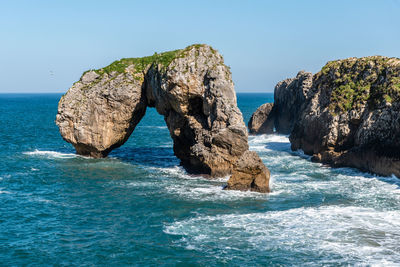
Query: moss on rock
x=142, y=63
x=357, y=81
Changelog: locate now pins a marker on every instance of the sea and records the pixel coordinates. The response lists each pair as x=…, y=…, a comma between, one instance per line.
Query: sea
x=138, y=207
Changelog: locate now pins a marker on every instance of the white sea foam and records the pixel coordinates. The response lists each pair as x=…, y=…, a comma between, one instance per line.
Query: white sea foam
x=200, y=188
x=268, y=138
x=5, y=176
x=365, y=230
x=175, y=171
x=52, y=154
x=357, y=234
x=154, y=127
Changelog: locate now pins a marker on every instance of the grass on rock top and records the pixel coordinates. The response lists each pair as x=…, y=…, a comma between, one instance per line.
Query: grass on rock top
x=355, y=82
x=141, y=63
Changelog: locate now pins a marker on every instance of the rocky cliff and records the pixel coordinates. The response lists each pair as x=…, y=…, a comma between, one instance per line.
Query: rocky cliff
x=192, y=88
x=289, y=96
x=352, y=118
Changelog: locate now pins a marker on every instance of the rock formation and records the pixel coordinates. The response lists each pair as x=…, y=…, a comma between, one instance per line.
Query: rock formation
x=353, y=116
x=262, y=120
x=192, y=88
x=289, y=96
x=249, y=170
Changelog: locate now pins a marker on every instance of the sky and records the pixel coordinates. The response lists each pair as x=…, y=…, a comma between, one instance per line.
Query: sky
x=47, y=45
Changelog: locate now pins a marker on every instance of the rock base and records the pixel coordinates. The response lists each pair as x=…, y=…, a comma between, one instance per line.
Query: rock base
x=249, y=173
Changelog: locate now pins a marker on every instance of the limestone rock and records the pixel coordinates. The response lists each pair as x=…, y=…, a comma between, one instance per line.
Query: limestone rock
x=192, y=88
x=262, y=120
x=353, y=118
x=98, y=114
x=289, y=96
x=249, y=174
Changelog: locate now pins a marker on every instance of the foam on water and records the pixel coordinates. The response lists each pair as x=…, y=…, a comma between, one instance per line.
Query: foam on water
x=139, y=206
x=366, y=232
x=199, y=188
x=52, y=154
x=4, y=191
x=152, y=127
x=355, y=234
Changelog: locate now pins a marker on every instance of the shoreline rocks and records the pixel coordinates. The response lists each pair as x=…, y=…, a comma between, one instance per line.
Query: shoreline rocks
x=353, y=119
x=346, y=115
x=192, y=88
x=289, y=97
x=262, y=120
x=249, y=173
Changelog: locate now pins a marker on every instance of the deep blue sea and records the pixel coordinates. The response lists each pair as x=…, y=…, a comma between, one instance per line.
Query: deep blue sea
x=138, y=207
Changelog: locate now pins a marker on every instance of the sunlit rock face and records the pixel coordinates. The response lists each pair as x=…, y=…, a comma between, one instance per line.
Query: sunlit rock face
x=353, y=116
x=192, y=88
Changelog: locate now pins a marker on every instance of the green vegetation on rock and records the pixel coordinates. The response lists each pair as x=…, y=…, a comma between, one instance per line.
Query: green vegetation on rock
x=354, y=82
x=142, y=63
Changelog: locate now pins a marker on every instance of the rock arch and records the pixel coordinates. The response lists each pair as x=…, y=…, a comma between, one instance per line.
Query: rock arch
x=192, y=88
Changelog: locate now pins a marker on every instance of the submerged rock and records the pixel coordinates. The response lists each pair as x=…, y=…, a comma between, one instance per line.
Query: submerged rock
x=192, y=88
x=353, y=117
x=262, y=120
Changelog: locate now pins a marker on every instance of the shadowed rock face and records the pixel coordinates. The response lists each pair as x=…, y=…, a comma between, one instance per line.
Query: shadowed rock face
x=192, y=88
x=289, y=96
x=353, y=118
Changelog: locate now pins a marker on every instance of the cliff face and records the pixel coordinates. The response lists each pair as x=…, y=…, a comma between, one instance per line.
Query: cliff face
x=353, y=118
x=289, y=96
x=192, y=88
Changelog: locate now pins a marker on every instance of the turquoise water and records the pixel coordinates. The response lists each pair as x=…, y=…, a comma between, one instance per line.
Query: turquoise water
x=138, y=207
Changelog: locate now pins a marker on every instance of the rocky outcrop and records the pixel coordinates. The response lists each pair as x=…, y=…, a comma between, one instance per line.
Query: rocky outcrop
x=192, y=88
x=249, y=173
x=262, y=120
x=99, y=112
x=289, y=96
x=353, y=117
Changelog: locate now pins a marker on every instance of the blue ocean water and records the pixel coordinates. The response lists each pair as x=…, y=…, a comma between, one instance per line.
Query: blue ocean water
x=138, y=207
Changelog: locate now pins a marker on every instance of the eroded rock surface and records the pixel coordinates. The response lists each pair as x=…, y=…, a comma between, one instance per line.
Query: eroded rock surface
x=249, y=174
x=289, y=96
x=353, y=118
x=262, y=120
x=192, y=88
x=99, y=113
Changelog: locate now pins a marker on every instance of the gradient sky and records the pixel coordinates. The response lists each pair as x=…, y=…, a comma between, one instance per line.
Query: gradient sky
x=47, y=45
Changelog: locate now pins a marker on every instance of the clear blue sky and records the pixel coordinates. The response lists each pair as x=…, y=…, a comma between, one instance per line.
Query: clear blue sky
x=46, y=45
